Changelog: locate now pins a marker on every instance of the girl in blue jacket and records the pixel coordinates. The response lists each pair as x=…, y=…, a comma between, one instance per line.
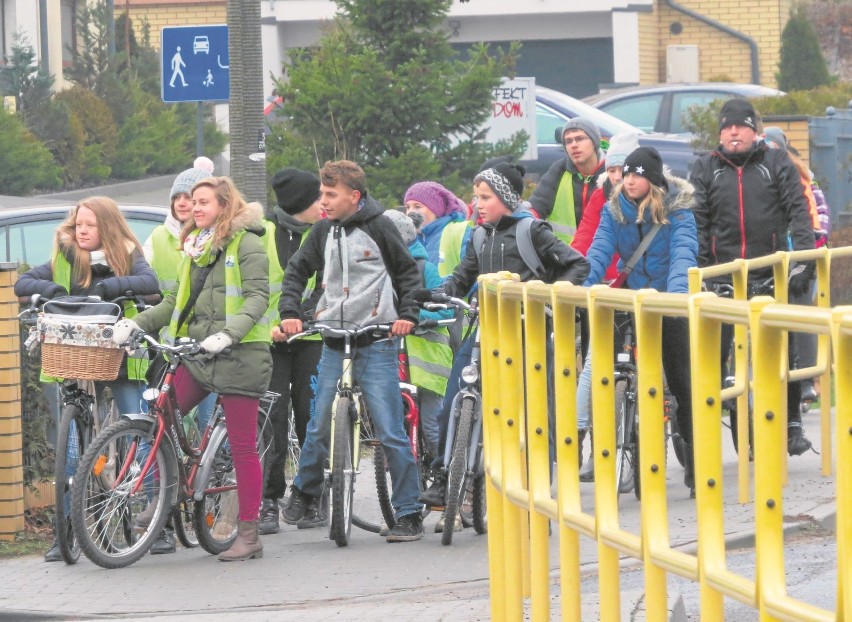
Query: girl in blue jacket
x=646, y=196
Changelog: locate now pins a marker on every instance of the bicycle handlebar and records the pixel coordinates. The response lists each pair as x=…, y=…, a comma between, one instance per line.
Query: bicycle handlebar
x=184, y=347
x=442, y=301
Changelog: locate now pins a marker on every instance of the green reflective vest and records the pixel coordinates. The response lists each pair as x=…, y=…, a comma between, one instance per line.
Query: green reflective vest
x=563, y=219
x=137, y=362
x=430, y=359
x=450, y=246
x=166, y=259
x=262, y=331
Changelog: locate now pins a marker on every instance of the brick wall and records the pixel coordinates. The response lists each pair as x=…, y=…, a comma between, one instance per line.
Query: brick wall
x=720, y=54
x=650, y=68
x=161, y=13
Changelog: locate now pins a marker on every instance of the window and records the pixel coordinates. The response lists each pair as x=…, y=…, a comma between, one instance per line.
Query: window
x=546, y=124
x=639, y=112
x=682, y=102
x=32, y=242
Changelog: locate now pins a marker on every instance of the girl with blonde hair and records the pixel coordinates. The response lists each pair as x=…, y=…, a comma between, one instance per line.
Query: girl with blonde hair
x=226, y=273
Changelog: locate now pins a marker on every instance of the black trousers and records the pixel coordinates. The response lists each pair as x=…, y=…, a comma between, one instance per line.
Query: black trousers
x=294, y=376
x=675, y=343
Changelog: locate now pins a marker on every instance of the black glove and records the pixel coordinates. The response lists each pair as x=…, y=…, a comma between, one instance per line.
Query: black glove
x=422, y=295
x=800, y=279
x=54, y=290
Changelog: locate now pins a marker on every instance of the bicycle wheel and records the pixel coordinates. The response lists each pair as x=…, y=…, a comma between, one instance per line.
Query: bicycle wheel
x=294, y=450
x=104, y=502
x=70, y=442
x=480, y=515
x=216, y=516
x=637, y=490
x=625, y=419
x=342, y=474
x=380, y=464
x=457, y=469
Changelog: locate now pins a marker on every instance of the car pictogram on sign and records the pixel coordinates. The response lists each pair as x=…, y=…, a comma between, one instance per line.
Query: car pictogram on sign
x=201, y=44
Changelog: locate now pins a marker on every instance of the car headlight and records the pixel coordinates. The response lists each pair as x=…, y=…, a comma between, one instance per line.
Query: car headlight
x=470, y=374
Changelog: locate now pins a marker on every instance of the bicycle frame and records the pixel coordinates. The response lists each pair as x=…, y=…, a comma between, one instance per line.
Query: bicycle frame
x=411, y=402
x=469, y=390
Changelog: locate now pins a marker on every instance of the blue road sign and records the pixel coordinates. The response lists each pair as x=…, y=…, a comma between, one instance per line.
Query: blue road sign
x=195, y=65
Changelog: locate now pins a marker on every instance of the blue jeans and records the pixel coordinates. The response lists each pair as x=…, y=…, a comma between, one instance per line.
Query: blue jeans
x=375, y=372
x=584, y=393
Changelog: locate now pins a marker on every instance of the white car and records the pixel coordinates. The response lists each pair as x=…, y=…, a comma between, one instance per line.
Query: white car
x=201, y=44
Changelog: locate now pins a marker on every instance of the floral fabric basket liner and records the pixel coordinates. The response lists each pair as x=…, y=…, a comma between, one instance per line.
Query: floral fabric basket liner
x=79, y=321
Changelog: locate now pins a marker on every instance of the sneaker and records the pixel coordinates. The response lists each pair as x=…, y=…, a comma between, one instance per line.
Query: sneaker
x=809, y=394
x=268, y=522
x=436, y=494
x=797, y=442
x=53, y=555
x=316, y=514
x=296, y=507
x=457, y=525
x=407, y=529
x=143, y=519
x=165, y=544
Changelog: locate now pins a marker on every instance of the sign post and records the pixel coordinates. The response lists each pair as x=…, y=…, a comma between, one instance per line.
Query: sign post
x=513, y=110
x=195, y=67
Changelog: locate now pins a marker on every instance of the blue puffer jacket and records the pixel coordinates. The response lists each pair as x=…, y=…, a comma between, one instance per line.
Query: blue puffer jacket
x=672, y=252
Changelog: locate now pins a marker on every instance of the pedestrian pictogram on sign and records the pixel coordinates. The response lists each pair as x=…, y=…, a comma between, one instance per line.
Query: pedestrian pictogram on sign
x=195, y=64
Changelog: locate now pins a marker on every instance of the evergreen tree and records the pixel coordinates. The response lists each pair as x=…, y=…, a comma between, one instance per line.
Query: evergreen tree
x=25, y=79
x=802, y=65
x=386, y=89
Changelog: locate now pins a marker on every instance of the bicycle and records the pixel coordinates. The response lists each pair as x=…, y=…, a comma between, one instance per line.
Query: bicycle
x=350, y=424
x=463, y=459
x=411, y=417
x=137, y=461
x=627, y=417
x=81, y=414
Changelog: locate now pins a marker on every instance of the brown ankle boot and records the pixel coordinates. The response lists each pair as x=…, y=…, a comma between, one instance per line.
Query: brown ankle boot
x=246, y=546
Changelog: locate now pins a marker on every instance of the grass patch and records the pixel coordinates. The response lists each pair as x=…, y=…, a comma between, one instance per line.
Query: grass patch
x=36, y=537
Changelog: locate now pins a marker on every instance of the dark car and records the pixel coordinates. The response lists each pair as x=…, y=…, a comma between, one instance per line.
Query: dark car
x=663, y=107
x=553, y=109
x=27, y=233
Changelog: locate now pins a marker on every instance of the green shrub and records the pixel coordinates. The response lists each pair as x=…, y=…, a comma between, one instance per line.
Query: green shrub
x=25, y=163
x=802, y=66
x=100, y=134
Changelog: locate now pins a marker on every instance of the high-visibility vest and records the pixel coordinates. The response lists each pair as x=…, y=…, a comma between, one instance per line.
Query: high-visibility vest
x=166, y=259
x=234, y=301
x=563, y=218
x=430, y=359
x=450, y=246
x=137, y=362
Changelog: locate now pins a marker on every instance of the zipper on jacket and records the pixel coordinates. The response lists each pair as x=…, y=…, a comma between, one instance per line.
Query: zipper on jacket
x=742, y=212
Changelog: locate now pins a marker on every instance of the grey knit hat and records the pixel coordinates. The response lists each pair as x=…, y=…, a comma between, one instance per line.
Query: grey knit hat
x=403, y=224
x=186, y=180
x=584, y=125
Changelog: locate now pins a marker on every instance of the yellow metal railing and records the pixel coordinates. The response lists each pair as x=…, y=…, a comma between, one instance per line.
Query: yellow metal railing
x=516, y=324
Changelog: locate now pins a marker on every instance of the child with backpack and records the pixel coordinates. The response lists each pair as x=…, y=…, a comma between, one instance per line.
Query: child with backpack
x=501, y=244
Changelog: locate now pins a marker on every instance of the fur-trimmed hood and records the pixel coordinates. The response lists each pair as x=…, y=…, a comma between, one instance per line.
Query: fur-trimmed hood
x=681, y=195
x=249, y=218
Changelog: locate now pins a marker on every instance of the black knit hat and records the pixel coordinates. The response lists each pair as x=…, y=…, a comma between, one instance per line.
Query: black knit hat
x=646, y=162
x=737, y=112
x=506, y=180
x=295, y=190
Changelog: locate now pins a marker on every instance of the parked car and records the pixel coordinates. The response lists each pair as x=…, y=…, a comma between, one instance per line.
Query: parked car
x=554, y=109
x=663, y=107
x=27, y=233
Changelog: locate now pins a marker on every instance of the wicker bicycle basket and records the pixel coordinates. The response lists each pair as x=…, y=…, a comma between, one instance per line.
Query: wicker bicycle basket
x=79, y=346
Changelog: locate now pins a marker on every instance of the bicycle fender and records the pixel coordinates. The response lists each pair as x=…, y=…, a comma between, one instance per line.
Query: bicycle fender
x=206, y=464
x=139, y=417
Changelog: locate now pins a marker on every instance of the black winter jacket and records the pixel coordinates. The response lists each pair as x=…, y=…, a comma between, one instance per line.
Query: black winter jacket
x=500, y=252
x=746, y=211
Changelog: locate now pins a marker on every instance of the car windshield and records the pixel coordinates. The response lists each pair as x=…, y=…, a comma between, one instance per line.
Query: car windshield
x=567, y=105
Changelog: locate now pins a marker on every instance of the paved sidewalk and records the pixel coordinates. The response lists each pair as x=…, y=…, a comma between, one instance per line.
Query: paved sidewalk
x=304, y=576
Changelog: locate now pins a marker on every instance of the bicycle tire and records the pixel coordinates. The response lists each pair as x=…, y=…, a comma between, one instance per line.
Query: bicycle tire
x=380, y=464
x=457, y=469
x=184, y=524
x=342, y=474
x=69, y=423
x=625, y=418
x=216, y=515
x=637, y=475
x=480, y=514
x=102, y=506
x=294, y=450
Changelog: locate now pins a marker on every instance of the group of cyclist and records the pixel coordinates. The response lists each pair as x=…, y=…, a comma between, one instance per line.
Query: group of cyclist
x=241, y=284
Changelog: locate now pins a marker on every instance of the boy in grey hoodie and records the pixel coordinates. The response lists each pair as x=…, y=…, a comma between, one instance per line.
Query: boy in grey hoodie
x=368, y=278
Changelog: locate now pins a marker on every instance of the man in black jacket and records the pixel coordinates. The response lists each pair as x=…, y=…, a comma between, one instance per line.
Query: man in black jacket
x=747, y=198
